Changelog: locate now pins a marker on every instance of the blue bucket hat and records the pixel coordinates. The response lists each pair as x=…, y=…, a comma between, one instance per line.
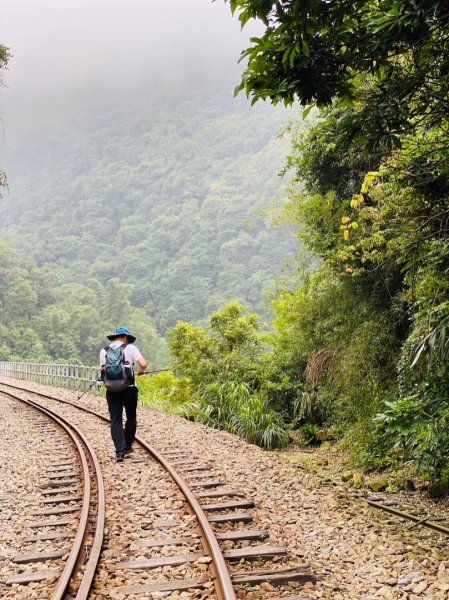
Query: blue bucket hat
x=122, y=331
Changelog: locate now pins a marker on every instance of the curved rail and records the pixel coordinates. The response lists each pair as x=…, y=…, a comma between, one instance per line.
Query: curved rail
x=226, y=590
x=68, y=572
x=224, y=587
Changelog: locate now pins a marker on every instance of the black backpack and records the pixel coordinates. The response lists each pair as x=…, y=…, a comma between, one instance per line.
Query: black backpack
x=117, y=373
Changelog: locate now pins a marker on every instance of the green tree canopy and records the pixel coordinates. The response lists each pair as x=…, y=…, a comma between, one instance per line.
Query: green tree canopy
x=390, y=55
x=43, y=319
x=4, y=57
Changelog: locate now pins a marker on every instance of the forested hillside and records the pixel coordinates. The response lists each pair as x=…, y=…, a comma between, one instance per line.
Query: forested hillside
x=165, y=194
x=44, y=319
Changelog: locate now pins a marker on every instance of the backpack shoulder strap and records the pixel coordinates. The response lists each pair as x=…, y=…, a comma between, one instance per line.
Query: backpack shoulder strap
x=122, y=348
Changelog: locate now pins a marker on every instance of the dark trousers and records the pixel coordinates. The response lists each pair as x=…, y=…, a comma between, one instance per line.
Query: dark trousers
x=123, y=438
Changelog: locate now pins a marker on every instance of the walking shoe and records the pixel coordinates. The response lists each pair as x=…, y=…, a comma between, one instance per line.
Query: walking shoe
x=129, y=450
x=119, y=456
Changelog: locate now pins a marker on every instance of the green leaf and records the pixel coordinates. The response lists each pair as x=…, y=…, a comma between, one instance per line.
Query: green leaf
x=305, y=48
x=306, y=111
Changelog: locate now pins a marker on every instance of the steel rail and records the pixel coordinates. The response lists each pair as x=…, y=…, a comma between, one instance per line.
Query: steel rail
x=418, y=520
x=225, y=591
x=223, y=583
x=95, y=549
x=72, y=560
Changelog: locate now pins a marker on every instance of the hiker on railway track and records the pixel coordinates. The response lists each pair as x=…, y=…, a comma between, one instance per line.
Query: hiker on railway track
x=117, y=362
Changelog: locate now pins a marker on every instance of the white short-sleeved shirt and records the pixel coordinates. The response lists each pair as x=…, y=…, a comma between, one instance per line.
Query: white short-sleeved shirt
x=132, y=353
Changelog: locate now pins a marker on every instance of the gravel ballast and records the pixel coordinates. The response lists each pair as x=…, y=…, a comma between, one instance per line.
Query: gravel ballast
x=27, y=443
x=353, y=552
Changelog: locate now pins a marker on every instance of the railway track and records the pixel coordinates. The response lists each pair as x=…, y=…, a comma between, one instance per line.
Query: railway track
x=66, y=475
x=409, y=514
x=421, y=514
x=214, y=551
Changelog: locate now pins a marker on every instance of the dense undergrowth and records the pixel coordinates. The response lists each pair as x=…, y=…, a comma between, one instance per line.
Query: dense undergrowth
x=359, y=345
x=225, y=380
x=363, y=339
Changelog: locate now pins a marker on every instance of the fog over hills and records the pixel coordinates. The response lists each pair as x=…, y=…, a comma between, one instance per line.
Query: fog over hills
x=128, y=157
x=65, y=54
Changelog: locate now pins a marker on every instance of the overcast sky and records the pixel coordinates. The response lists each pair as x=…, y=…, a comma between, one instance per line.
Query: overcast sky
x=66, y=47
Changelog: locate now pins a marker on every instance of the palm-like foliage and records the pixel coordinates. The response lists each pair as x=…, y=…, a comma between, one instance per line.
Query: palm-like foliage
x=234, y=407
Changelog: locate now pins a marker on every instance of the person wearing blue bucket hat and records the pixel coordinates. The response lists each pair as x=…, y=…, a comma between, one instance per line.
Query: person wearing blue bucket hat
x=117, y=361
x=120, y=332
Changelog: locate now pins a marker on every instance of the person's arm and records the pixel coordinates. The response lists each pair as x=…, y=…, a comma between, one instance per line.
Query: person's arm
x=102, y=363
x=142, y=364
x=137, y=359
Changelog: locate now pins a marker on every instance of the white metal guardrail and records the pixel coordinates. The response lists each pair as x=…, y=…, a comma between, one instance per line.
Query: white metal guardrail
x=73, y=376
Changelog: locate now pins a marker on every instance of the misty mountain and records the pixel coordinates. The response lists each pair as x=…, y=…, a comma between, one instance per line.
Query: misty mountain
x=165, y=193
